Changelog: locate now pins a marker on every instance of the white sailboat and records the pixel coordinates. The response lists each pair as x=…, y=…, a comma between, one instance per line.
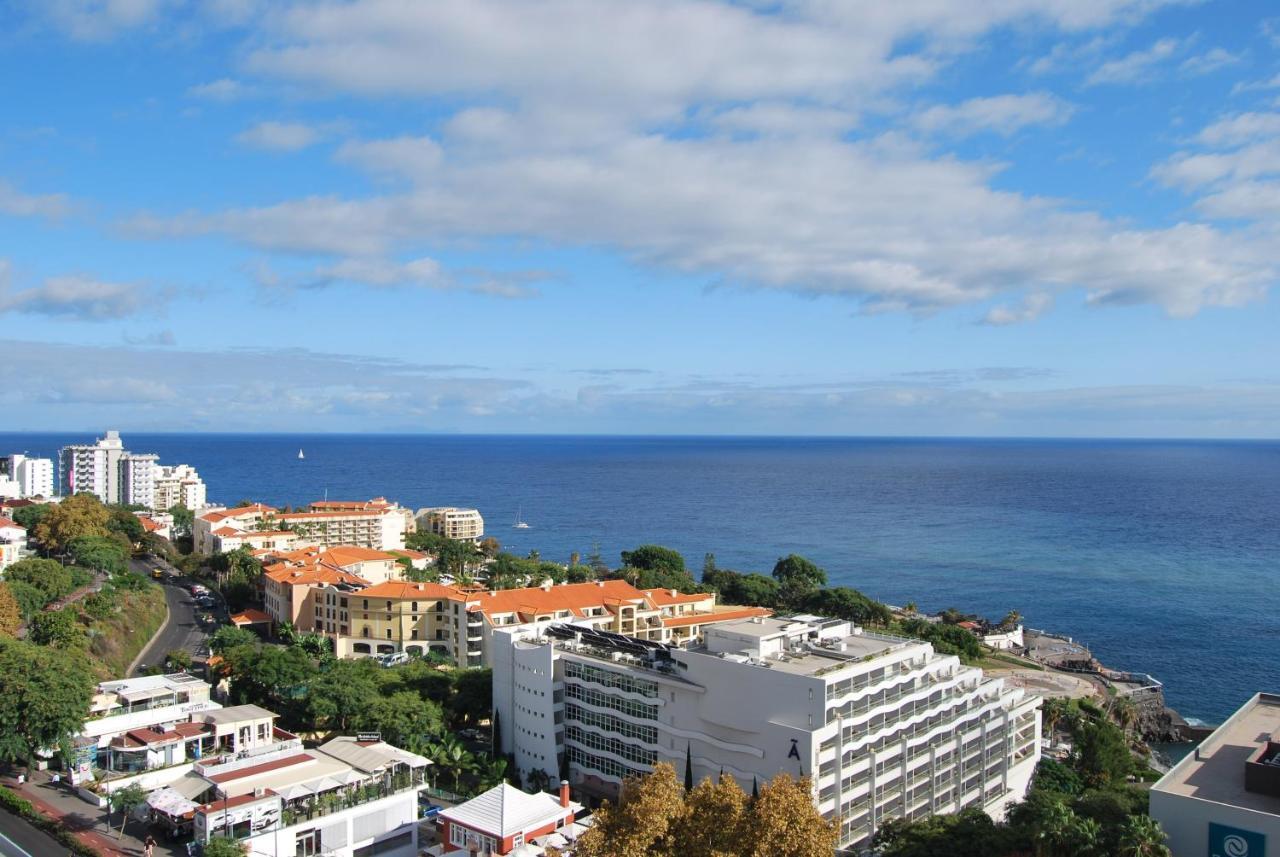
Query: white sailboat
x=300, y=455
x=519, y=524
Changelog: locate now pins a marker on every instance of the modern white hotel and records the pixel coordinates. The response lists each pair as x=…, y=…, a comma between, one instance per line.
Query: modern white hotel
x=1223, y=800
x=886, y=726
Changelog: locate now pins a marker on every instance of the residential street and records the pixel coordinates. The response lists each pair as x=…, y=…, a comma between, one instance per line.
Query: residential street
x=182, y=631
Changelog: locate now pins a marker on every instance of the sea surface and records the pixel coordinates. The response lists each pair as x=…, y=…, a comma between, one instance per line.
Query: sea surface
x=1162, y=556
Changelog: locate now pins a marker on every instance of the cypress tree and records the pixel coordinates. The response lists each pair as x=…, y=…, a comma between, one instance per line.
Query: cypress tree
x=688, y=767
x=755, y=789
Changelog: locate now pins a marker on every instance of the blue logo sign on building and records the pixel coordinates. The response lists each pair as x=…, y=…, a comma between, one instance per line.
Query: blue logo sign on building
x=1227, y=841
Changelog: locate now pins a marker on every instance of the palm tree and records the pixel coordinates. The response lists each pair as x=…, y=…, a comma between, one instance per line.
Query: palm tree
x=1142, y=837
x=1124, y=712
x=490, y=774
x=452, y=756
x=1084, y=838
x=1055, y=829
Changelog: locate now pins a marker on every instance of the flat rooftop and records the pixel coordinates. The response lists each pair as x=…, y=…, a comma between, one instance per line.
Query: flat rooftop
x=1215, y=772
x=815, y=659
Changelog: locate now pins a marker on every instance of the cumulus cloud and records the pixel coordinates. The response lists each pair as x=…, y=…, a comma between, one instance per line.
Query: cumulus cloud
x=18, y=204
x=609, y=125
x=279, y=136
x=1137, y=67
x=1235, y=172
x=76, y=296
x=98, y=20
x=1000, y=114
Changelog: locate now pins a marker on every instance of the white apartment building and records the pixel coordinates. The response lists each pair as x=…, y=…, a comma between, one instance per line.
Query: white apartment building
x=886, y=727
x=94, y=468
x=1223, y=800
x=13, y=542
x=376, y=524
x=178, y=485
x=138, y=479
x=463, y=525
x=21, y=476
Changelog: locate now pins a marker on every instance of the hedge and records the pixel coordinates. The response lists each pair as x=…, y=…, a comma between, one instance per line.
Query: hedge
x=23, y=808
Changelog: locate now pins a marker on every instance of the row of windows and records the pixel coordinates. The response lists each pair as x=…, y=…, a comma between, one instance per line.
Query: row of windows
x=609, y=744
x=605, y=700
x=609, y=678
x=608, y=767
x=609, y=723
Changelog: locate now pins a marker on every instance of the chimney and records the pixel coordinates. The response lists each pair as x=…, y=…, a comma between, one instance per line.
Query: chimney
x=564, y=793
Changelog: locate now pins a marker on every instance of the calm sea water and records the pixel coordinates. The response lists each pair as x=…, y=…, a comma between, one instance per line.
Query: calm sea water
x=1162, y=556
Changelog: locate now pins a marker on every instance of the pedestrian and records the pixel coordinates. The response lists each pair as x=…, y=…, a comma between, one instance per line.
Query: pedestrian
x=149, y=846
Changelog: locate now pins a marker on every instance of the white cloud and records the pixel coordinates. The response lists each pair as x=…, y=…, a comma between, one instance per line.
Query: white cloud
x=398, y=155
x=279, y=136
x=79, y=297
x=1137, y=67
x=424, y=273
x=1240, y=128
x=223, y=89
x=1032, y=307
x=1000, y=114
x=98, y=20
x=1208, y=62
x=15, y=202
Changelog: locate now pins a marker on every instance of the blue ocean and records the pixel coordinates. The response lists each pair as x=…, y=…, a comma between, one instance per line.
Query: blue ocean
x=1163, y=556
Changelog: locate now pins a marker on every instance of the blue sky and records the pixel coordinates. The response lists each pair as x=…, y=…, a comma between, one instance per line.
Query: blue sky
x=1024, y=217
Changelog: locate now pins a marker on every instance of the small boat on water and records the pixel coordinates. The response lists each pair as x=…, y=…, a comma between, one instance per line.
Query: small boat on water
x=520, y=524
x=300, y=455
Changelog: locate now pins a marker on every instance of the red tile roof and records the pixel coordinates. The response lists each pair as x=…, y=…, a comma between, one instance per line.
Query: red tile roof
x=714, y=616
x=5, y=522
x=250, y=617
x=265, y=767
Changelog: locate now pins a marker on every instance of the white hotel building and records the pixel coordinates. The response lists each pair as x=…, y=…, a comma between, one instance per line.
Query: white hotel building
x=886, y=727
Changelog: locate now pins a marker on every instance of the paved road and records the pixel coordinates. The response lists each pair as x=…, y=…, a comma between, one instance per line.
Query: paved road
x=181, y=631
x=18, y=838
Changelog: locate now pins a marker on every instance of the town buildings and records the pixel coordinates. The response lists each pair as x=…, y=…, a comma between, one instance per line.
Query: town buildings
x=21, y=476
x=13, y=542
x=505, y=818
x=377, y=524
x=178, y=485
x=1223, y=800
x=109, y=471
x=886, y=727
x=463, y=525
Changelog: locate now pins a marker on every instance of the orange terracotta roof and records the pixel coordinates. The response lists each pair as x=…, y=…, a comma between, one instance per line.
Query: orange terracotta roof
x=310, y=575
x=715, y=616
x=250, y=617
x=570, y=596
x=147, y=524
x=405, y=552
x=343, y=554
x=311, y=516
x=239, y=511
x=5, y=522
x=351, y=505
x=397, y=589
x=667, y=597
x=227, y=531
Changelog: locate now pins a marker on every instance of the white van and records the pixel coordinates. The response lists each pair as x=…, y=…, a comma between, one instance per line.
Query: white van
x=394, y=659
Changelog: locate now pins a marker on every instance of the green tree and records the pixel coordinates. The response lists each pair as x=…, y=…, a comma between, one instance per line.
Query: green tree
x=229, y=637
x=1142, y=837
x=126, y=523
x=29, y=517
x=75, y=517
x=31, y=599
x=841, y=602
x=178, y=660
x=58, y=628
x=44, y=697
x=51, y=577
x=405, y=719
x=224, y=846
x=654, y=558
x=798, y=578
x=452, y=757
x=183, y=520
x=341, y=693
x=473, y=696
x=99, y=553
x=1101, y=754
x=125, y=801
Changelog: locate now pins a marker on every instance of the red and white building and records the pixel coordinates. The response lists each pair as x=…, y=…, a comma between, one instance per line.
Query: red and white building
x=13, y=540
x=505, y=818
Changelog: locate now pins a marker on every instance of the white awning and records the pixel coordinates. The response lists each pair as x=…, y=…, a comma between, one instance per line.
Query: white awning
x=294, y=792
x=170, y=802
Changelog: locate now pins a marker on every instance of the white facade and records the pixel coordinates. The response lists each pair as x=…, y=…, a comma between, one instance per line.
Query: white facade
x=35, y=476
x=1223, y=800
x=178, y=485
x=138, y=479
x=886, y=727
x=94, y=468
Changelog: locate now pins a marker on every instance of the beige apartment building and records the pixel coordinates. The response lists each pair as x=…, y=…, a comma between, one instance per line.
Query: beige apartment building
x=463, y=525
x=376, y=524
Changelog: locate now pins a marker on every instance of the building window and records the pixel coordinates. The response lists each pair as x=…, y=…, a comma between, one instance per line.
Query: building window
x=388, y=633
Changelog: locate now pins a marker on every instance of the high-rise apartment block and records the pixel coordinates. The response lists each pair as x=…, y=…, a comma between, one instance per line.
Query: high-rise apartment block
x=885, y=727
x=109, y=471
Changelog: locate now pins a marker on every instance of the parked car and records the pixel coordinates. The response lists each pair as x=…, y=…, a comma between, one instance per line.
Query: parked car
x=469, y=734
x=394, y=659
